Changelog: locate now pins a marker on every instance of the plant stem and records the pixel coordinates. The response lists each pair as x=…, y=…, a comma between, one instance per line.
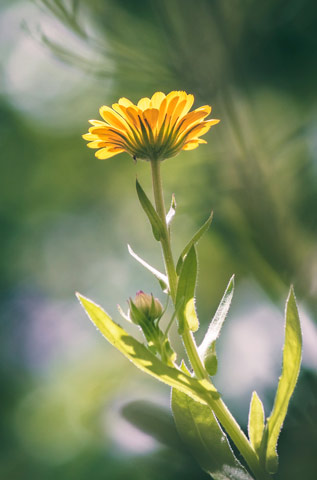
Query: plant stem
x=218, y=406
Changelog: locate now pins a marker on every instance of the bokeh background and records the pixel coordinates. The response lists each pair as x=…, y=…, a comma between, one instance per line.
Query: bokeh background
x=72, y=407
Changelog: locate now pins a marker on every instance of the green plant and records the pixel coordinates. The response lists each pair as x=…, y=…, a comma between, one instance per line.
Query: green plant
x=153, y=130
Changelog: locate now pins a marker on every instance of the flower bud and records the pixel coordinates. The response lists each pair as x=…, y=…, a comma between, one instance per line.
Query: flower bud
x=145, y=306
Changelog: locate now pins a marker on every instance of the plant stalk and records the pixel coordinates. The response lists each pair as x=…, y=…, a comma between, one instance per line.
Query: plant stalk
x=218, y=406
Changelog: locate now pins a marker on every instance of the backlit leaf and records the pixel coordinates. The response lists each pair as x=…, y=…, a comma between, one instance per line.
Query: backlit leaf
x=156, y=223
x=192, y=242
x=186, y=287
x=256, y=422
x=207, y=347
x=203, y=435
x=140, y=356
x=292, y=353
x=160, y=276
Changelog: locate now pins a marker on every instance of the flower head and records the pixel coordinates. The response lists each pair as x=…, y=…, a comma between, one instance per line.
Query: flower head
x=154, y=129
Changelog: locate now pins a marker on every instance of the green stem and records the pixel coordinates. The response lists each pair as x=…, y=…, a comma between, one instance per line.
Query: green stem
x=218, y=406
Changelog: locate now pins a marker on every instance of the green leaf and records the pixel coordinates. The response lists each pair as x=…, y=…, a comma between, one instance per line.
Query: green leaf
x=256, y=422
x=160, y=276
x=154, y=420
x=171, y=213
x=141, y=357
x=192, y=242
x=203, y=435
x=156, y=223
x=206, y=349
x=186, y=290
x=292, y=353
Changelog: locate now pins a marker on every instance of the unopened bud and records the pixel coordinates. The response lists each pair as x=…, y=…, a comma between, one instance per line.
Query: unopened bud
x=146, y=306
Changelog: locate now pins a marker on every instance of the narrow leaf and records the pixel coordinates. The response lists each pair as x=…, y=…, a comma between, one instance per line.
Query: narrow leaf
x=150, y=211
x=291, y=365
x=171, y=213
x=256, y=422
x=186, y=287
x=207, y=346
x=160, y=276
x=203, y=435
x=192, y=242
x=141, y=357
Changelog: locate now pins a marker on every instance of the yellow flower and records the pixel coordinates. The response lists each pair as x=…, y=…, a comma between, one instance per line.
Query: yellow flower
x=154, y=129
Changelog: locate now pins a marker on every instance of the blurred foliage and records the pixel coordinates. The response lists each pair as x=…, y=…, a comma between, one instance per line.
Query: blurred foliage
x=66, y=217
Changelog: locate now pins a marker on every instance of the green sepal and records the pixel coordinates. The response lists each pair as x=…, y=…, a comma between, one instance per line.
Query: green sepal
x=155, y=221
x=202, y=434
x=186, y=290
x=142, y=358
x=256, y=422
x=192, y=242
x=292, y=353
x=207, y=349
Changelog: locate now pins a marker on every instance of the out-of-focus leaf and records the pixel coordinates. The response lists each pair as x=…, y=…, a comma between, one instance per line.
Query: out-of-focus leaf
x=186, y=290
x=160, y=276
x=140, y=356
x=193, y=242
x=150, y=211
x=292, y=353
x=155, y=420
x=202, y=433
x=256, y=422
x=207, y=347
x=171, y=213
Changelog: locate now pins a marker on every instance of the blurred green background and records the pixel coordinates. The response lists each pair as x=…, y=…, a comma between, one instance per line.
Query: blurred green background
x=72, y=407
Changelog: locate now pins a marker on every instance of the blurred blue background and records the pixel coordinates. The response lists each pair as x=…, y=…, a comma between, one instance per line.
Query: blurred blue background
x=70, y=403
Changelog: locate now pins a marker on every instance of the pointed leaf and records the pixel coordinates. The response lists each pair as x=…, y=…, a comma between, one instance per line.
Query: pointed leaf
x=156, y=223
x=207, y=348
x=160, y=276
x=256, y=422
x=202, y=433
x=140, y=356
x=192, y=242
x=186, y=288
x=292, y=353
x=171, y=213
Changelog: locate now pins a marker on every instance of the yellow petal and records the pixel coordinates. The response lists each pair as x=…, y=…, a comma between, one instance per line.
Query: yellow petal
x=144, y=103
x=97, y=144
x=201, y=129
x=107, y=153
x=125, y=102
x=89, y=136
x=157, y=99
x=97, y=122
x=112, y=118
x=190, y=146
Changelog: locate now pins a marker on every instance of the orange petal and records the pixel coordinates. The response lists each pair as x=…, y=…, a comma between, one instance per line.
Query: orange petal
x=151, y=116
